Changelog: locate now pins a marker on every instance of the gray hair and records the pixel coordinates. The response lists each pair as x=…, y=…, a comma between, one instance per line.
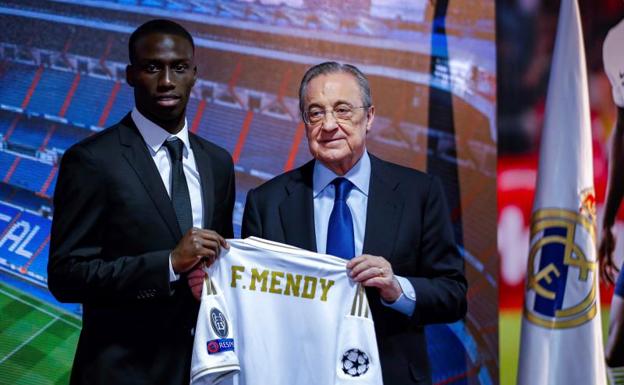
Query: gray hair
x=331, y=67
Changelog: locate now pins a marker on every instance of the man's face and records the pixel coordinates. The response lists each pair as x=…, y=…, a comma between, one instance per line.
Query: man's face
x=337, y=143
x=162, y=76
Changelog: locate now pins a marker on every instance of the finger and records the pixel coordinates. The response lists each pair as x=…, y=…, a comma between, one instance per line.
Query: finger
x=222, y=241
x=213, y=245
x=213, y=240
x=373, y=272
x=356, y=261
x=205, y=253
x=359, y=268
x=377, y=282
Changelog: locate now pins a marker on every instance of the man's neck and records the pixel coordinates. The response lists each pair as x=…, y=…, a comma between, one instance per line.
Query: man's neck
x=171, y=126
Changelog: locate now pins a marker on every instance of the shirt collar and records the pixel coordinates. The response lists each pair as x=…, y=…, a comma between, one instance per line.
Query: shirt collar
x=359, y=175
x=154, y=135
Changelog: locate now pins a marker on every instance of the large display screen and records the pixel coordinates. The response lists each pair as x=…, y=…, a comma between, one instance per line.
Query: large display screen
x=432, y=68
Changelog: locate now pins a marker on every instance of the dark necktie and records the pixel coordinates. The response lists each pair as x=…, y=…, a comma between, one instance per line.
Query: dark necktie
x=340, y=230
x=180, y=196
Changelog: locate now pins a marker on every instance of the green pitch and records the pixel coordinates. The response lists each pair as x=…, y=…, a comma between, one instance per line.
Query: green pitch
x=37, y=341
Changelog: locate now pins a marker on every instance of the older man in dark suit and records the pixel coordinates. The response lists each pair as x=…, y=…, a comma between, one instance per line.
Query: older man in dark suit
x=133, y=205
x=390, y=221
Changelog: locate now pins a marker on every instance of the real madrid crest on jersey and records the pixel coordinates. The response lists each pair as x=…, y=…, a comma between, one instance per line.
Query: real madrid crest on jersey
x=561, y=287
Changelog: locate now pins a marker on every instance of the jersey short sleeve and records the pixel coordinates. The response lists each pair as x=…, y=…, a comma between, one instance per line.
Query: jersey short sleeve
x=358, y=358
x=613, y=59
x=214, y=359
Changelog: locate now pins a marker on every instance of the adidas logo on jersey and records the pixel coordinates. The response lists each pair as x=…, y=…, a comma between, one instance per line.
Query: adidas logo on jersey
x=279, y=282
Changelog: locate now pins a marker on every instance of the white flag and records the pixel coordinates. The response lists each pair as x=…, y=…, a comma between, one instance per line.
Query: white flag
x=561, y=331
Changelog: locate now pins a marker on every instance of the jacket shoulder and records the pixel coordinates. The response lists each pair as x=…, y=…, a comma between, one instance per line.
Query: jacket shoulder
x=401, y=173
x=217, y=153
x=279, y=183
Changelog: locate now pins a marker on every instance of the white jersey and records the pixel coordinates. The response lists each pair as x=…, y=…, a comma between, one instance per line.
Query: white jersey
x=613, y=58
x=287, y=315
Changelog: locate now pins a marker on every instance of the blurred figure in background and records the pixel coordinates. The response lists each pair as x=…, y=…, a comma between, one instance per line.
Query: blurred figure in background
x=613, y=56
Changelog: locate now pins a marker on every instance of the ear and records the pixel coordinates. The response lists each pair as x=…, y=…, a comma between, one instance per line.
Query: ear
x=194, y=74
x=130, y=75
x=370, y=115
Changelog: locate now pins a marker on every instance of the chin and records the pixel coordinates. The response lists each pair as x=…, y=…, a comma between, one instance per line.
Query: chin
x=333, y=156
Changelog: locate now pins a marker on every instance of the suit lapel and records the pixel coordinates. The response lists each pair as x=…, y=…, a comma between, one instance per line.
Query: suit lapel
x=383, y=211
x=297, y=210
x=136, y=153
x=204, y=167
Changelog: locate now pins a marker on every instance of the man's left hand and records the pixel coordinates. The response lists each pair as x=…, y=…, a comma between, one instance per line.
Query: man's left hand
x=372, y=271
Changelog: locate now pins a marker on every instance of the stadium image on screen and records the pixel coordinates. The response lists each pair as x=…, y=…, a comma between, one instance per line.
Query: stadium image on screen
x=62, y=78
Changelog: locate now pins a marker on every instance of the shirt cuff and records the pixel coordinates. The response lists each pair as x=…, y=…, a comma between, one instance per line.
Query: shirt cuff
x=172, y=274
x=406, y=303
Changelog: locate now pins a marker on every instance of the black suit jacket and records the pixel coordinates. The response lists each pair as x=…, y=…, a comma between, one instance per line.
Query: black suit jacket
x=408, y=223
x=113, y=229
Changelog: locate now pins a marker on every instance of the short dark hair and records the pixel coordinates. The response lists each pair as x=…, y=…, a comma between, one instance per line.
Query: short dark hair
x=161, y=26
x=330, y=67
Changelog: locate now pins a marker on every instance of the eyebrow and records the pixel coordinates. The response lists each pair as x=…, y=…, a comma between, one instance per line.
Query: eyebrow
x=335, y=104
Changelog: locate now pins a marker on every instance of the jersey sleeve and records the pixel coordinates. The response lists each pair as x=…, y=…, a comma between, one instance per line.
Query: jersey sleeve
x=214, y=359
x=357, y=356
x=613, y=60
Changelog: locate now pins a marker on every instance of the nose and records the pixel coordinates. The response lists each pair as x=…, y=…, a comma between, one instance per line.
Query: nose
x=329, y=121
x=165, y=80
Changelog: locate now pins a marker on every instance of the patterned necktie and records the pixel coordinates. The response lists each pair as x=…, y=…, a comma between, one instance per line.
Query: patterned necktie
x=180, y=196
x=340, y=230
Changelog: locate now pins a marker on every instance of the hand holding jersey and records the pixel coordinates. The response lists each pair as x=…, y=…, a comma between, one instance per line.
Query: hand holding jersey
x=373, y=271
x=196, y=245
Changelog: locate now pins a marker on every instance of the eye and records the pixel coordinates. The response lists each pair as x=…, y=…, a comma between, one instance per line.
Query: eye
x=180, y=67
x=315, y=114
x=151, y=68
x=342, y=110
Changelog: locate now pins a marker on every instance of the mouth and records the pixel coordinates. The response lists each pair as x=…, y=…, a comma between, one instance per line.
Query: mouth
x=329, y=141
x=167, y=100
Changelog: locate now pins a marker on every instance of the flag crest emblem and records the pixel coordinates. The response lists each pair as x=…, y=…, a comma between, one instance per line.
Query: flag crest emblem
x=561, y=276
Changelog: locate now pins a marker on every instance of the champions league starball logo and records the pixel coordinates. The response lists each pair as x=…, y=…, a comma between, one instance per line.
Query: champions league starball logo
x=561, y=276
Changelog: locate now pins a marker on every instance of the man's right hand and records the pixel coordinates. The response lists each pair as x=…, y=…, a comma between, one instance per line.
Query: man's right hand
x=195, y=246
x=608, y=269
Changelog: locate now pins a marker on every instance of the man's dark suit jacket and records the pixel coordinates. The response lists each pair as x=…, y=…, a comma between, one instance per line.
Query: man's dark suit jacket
x=113, y=229
x=408, y=223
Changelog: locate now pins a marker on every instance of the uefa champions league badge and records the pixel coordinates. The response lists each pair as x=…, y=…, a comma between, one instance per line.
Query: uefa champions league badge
x=561, y=276
x=355, y=362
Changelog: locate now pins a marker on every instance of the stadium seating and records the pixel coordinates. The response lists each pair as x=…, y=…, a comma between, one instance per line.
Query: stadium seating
x=16, y=80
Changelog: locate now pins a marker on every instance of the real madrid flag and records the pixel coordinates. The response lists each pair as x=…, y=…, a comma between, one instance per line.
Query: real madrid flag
x=561, y=330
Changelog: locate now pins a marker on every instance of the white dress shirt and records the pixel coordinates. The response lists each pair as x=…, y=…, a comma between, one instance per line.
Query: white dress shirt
x=154, y=137
x=323, y=197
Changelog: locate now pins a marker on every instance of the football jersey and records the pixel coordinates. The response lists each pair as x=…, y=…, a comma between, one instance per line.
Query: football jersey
x=613, y=58
x=280, y=315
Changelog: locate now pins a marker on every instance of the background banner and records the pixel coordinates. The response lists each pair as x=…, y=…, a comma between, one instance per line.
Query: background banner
x=432, y=67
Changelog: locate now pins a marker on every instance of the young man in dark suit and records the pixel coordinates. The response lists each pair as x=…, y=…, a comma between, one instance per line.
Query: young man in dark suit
x=137, y=206
x=390, y=221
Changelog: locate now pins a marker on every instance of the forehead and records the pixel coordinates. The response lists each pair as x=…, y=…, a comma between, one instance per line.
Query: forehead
x=163, y=47
x=330, y=88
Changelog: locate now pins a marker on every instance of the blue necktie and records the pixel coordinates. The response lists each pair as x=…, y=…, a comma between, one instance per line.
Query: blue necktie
x=180, y=196
x=340, y=230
